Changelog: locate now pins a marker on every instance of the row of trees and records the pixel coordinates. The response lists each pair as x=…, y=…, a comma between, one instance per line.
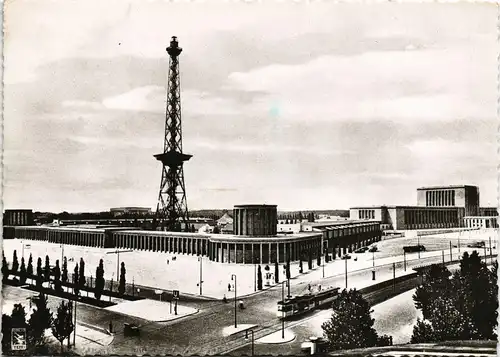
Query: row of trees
x=458, y=306
x=40, y=321
x=59, y=277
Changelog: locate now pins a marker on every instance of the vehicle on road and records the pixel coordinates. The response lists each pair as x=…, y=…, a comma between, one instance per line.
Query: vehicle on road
x=131, y=329
x=373, y=249
x=301, y=304
x=479, y=244
x=361, y=250
x=414, y=248
x=346, y=256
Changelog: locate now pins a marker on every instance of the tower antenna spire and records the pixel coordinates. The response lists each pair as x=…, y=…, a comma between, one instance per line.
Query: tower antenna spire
x=171, y=209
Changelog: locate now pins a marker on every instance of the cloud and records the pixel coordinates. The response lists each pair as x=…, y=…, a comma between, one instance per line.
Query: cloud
x=422, y=86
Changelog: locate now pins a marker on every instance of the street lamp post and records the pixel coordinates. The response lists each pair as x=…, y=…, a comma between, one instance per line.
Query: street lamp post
x=491, y=254
x=254, y=278
x=373, y=264
x=201, y=275
x=459, y=234
x=246, y=338
x=394, y=276
x=418, y=239
x=283, y=308
x=117, y=252
x=233, y=277
x=345, y=273
x=62, y=253
x=451, y=252
x=404, y=259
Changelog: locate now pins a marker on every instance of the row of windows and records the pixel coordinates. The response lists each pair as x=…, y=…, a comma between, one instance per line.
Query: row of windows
x=367, y=214
x=440, y=198
x=426, y=216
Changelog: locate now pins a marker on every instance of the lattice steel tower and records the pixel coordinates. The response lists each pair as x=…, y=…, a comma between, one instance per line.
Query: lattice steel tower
x=172, y=210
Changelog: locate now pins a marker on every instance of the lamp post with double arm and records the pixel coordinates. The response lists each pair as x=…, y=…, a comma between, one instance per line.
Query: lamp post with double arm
x=233, y=277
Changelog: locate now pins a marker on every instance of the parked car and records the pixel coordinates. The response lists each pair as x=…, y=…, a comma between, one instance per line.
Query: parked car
x=373, y=249
x=414, y=248
x=479, y=244
x=361, y=250
x=347, y=256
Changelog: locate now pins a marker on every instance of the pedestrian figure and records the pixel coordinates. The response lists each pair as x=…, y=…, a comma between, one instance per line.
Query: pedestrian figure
x=167, y=261
x=224, y=299
x=229, y=287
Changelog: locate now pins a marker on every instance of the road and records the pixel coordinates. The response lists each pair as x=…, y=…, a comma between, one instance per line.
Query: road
x=202, y=333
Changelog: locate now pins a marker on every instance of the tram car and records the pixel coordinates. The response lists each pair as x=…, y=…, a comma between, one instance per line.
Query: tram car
x=298, y=305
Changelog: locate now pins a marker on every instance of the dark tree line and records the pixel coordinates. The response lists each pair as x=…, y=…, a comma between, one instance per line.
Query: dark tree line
x=458, y=306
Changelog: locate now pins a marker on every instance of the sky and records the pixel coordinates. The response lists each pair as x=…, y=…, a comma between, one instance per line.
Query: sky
x=306, y=106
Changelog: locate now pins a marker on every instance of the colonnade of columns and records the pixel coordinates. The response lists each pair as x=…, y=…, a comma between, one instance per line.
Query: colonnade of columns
x=162, y=243
x=230, y=250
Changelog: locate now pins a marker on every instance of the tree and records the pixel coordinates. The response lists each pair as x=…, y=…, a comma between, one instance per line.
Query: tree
x=436, y=280
x=6, y=333
x=76, y=284
x=64, y=276
x=121, y=284
x=99, y=280
x=29, y=268
x=463, y=307
x=351, y=325
x=63, y=323
x=22, y=272
x=15, y=263
x=39, y=272
x=276, y=273
x=422, y=332
x=40, y=320
x=5, y=269
x=310, y=261
x=46, y=269
x=81, y=276
x=57, y=276
x=259, y=278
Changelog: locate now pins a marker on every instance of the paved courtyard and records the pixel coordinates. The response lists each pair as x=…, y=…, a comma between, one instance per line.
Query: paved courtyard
x=159, y=270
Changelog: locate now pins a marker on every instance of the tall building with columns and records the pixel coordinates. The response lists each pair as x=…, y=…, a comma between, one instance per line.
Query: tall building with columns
x=437, y=207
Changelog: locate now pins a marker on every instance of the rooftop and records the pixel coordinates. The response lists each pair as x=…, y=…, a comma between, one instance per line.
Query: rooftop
x=445, y=187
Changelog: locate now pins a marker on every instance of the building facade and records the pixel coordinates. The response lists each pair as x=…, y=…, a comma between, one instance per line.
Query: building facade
x=18, y=217
x=464, y=196
x=437, y=207
x=222, y=248
x=130, y=211
x=255, y=220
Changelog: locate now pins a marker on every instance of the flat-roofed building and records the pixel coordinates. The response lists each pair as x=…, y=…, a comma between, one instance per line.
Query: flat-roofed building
x=18, y=217
x=465, y=196
x=437, y=207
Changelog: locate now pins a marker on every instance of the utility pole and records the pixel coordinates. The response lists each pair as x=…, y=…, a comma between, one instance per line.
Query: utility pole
x=255, y=277
x=74, y=326
x=442, y=253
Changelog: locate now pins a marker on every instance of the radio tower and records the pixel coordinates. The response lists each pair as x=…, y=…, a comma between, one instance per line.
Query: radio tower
x=172, y=205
